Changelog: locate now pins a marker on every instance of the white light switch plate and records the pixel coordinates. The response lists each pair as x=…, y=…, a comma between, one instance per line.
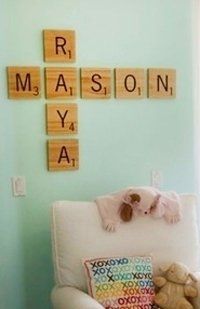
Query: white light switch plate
x=18, y=185
x=156, y=179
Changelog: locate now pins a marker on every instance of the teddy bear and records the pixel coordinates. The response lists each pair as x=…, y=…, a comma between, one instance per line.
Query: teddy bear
x=175, y=287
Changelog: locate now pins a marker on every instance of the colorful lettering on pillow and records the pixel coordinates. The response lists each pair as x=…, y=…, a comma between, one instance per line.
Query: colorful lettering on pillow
x=121, y=282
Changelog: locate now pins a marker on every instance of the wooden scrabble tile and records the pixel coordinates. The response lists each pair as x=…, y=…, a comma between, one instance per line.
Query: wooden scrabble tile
x=61, y=83
x=129, y=83
x=23, y=82
x=95, y=83
x=63, y=155
x=59, y=45
x=162, y=83
x=61, y=118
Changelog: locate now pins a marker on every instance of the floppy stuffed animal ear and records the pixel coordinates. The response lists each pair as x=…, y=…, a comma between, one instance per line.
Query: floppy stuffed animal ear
x=126, y=209
x=135, y=198
x=126, y=212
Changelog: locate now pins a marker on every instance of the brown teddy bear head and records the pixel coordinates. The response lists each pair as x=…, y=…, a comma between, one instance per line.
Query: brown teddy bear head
x=177, y=273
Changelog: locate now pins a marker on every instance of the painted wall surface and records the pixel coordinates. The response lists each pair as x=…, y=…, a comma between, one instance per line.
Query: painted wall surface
x=120, y=141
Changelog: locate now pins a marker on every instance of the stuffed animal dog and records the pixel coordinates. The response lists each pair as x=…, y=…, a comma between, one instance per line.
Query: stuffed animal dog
x=149, y=201
x=128, y=203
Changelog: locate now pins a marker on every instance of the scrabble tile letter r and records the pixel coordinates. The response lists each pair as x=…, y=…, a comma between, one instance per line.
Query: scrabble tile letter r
x=59, y=46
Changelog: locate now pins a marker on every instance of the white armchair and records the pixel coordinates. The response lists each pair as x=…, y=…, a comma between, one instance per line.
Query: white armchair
x=72, y=298
x=77, y=234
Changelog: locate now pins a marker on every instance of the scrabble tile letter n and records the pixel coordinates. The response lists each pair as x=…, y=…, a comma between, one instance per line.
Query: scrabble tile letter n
x=63, y=155
x=59, y=46
x=23, y=82
x=161, y=83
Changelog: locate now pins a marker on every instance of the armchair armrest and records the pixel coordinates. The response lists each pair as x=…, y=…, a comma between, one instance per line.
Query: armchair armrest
x=196, y=301
x=71, y=298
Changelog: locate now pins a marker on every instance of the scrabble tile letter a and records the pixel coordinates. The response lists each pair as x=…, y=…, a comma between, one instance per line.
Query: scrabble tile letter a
x=161, y=83
x=59, y=46
x=63, y=155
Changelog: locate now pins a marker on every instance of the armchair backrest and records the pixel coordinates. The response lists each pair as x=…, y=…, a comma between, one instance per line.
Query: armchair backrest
x=77, y=234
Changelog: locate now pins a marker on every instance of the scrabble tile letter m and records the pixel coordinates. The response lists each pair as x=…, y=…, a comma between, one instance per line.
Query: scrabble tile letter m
x=23, y=82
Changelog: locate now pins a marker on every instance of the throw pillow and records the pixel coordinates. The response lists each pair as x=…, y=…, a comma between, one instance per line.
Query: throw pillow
x=121, y=282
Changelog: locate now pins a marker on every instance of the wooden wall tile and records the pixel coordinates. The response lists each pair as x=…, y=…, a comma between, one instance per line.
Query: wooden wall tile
x=61, y=83
x=95, y=83
x=23, y=82
x=129, y=83
x=61, y=118
x=161, y=83
x=63, y=155
x=59, y=45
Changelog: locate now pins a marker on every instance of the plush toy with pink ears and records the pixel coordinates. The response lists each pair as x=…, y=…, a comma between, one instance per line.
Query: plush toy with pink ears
x=150, y=201
x=128, y=203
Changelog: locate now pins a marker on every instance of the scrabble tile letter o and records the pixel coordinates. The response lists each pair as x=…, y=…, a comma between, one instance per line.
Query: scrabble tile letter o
x=129, y=83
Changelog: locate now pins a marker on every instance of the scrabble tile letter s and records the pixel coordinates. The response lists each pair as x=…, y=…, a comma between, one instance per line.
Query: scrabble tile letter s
x=95, y=83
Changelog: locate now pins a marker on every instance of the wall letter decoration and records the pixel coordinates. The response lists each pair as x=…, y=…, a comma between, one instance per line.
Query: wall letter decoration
x=61, y=83
x=63, y=155
x=23, y=82
x=161, y=83
x=59, y=45
x=61, y=118
x=129, y=83
x=95, y=83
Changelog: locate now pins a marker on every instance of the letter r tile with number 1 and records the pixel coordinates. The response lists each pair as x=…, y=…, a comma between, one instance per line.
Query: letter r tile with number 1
x=23, y=82
x=59, y=45
x=61, y=118
x=95, y=83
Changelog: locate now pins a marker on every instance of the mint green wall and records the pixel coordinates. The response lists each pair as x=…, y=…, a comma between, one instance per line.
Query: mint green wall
x=120, y=141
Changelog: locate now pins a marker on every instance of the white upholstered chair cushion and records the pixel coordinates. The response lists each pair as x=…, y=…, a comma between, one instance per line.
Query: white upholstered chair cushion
x=77, y=234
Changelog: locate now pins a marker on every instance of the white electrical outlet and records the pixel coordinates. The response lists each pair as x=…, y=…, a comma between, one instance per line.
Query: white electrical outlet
x=156, y=179
x=18, y=185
